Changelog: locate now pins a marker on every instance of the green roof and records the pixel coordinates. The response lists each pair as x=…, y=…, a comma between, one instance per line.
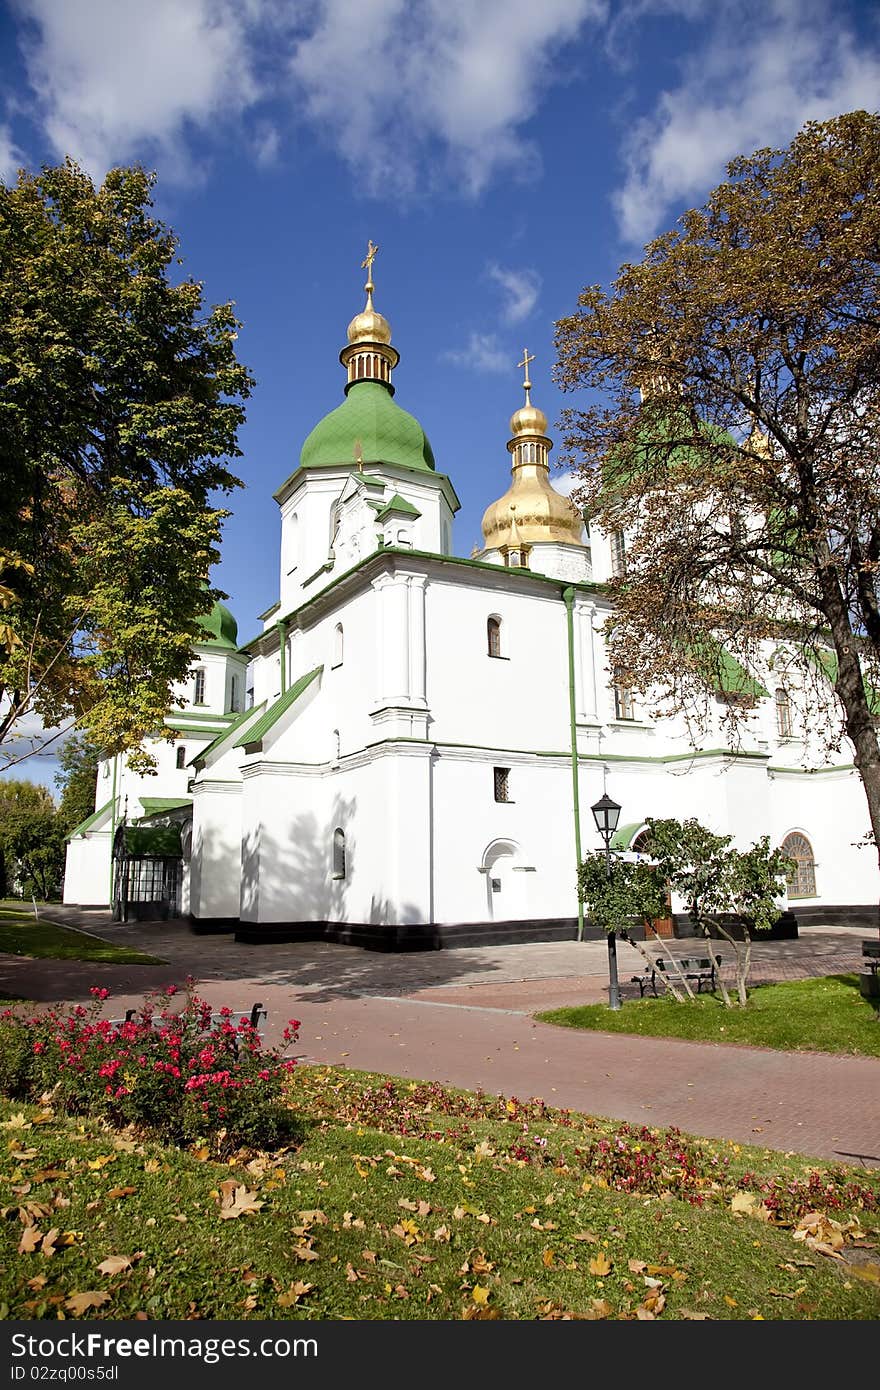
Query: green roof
x=91, y=820
x=158, y=805
x=199, y=760
x=156, y=841
x=721, y=670
x=220, y=628
x=368, y=428
x=664, y=439
x=827, y=663
x=625, y=834
x=252, y=739
x=397, y=506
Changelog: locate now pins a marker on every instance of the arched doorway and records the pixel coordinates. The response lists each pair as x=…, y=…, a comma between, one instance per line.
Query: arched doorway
x=661, y=926
x=507, y=882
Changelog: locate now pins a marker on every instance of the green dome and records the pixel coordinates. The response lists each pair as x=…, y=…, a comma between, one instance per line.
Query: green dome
x=367, y=428
x=220, y=627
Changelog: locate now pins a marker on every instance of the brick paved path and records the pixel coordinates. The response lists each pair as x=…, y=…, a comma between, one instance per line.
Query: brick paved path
x=462, y=1017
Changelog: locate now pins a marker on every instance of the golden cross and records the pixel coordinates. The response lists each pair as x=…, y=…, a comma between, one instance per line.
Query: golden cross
x=367, y=262
x=527, y=385
x=527, y=358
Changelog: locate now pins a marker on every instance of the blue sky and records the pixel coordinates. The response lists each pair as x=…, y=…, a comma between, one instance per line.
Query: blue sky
x=502, y=153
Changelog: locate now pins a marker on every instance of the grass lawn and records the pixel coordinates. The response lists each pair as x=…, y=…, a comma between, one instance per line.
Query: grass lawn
x=22, y=935
x=820, y=1015
x=406, y=1200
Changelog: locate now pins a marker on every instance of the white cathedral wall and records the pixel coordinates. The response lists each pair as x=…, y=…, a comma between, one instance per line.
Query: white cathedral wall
x=288, y=822
x=830, y=810
x=215, y=862
x=517, y=701
x=87, y=870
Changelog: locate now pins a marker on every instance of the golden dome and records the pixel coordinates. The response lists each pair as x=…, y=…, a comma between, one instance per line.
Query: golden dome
x=529, y=419
x=369, y=326
x=531, y=510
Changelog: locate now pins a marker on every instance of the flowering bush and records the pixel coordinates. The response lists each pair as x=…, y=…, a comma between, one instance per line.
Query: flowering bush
x=184, y=1073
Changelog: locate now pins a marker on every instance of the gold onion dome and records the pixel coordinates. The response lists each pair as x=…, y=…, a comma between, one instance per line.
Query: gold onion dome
x=369, y=326
x=529, y=419
x=369, y=354
x=531, y=510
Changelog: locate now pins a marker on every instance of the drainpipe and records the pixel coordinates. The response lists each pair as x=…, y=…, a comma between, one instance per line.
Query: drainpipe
x=113, y=823
x=282, y=647
x=568, y=599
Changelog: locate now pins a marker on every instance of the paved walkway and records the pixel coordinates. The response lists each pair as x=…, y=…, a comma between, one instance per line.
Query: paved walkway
x=463, y=1017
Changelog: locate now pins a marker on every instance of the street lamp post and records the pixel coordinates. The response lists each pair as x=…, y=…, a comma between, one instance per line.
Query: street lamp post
x=606, y=814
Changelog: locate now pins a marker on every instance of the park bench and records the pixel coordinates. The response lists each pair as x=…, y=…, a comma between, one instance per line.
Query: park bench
x=256, y=1016
x=700, y=969
x=869, y=982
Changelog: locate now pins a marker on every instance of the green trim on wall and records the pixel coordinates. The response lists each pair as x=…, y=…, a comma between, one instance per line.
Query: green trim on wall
x=519, y=576
x=200, y=759
x=89, y=821
x=158, y=805
x=251, y=740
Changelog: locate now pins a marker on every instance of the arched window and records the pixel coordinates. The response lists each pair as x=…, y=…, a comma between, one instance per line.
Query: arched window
x=802, y=879
x=403, y=539
x=783, y=713
x=624, y=704
x=493, y=636
x=338, y=645
x=181, y=755
x=338, y=853
x=292, y=539
x=335, y=518
x=199, y=686
x=233, y=695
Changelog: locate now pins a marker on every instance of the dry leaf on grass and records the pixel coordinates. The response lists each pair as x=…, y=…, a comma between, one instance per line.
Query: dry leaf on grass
x=294, y=1293
x=81, y=1302
x=236, y=1200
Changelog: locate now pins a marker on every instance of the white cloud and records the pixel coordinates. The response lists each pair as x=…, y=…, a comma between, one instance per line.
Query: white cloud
x=11, y=158
x=763, y=73
x=406, y=91
x=390, y=81
x=520, y=289
x=483, y=353
x=267, y=145
x=121, y=79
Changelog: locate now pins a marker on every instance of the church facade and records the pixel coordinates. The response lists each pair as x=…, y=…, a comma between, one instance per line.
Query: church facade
x=399, y=769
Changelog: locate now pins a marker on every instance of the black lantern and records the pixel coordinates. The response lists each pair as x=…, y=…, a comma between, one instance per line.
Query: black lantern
x=606, y=814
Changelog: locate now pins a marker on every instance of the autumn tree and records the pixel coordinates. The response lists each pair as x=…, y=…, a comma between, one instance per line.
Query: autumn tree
x=734, y=434
x=120, y=403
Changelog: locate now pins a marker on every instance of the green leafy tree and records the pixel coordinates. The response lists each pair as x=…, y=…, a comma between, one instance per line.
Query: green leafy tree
x=718, y=883
x=621, y=892
x=734, y=434
x=76, y=780
x=31, y=839
x=120, y=403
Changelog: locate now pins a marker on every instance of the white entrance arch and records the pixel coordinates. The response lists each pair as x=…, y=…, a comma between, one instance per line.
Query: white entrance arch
x=507, y=881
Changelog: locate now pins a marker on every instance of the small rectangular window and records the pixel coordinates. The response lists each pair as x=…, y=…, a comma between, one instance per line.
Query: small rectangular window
x=199, y=693
x=502, y=783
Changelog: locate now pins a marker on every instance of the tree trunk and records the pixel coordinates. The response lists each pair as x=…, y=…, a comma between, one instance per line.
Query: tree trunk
x=850, y=688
